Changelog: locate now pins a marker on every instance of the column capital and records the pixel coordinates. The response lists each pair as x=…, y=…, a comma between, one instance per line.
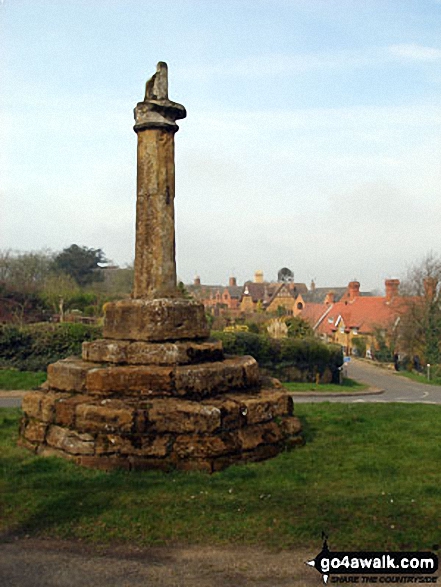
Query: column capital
x=156, y=110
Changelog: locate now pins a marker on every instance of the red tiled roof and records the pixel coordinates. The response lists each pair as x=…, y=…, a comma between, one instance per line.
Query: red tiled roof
x=362, y=313
x=313, y=312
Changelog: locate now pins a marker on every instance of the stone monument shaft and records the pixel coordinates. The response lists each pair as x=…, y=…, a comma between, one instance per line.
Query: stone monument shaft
x=155, y=263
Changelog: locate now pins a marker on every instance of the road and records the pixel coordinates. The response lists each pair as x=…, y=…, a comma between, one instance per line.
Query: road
x=396, y=387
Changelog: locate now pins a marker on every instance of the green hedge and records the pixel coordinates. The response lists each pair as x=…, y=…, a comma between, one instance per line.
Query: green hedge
x=33, y=347
x=289, y=358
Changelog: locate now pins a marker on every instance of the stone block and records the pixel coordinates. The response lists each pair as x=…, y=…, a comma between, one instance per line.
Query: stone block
x=155, y=320
x=129, y=379
x=70, y=441
x=208, y=379
x=283, y=404
x=251, y=437
x=182, y=416
x=204, y=446
x=107, y=416
x=251, y=372
x=48, y=405
x=291, y=426
x=231, y=413
x=152, y=353
x=264, y=406
x=35, y=431
x=271, y=383
x=174, y=353
x=31, y=404
x=65, y=409
x=105, y=351
x=41, y=405
x=107, y=444
x=135, y=445
x=155, y=446
x=69, y=374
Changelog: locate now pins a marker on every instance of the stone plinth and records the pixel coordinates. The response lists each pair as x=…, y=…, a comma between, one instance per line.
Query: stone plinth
x=162, y=319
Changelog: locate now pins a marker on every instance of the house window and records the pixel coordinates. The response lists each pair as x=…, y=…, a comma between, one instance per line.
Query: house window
x=300, y=306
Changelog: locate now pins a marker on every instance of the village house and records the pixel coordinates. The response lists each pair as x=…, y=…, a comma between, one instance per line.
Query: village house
x=355, y=315
x=254, y=296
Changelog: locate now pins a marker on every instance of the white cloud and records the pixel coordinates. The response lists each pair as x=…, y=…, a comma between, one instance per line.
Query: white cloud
x=415, y=52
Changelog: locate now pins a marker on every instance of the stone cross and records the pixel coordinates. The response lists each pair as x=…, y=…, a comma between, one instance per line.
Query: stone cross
x=155, y=125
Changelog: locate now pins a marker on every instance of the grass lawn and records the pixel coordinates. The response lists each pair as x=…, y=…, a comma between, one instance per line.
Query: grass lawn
x=369, y=476
x=421, y=378
x=13, y=379
x=347, y=385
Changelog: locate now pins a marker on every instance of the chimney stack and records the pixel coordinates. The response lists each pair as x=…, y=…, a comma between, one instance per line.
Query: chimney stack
x=197, y=280
x=258, y=277
x=330, y=298
x=233, y=282
x=354, y=289
x=392, y=287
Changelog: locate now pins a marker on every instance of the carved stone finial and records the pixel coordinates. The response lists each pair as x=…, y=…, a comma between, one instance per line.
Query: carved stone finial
x=157, y=86
x=157, y=111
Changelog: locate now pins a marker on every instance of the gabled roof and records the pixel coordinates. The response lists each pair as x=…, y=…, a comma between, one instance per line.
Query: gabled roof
x=282, y=286
x=260, y=292
x=362, y=313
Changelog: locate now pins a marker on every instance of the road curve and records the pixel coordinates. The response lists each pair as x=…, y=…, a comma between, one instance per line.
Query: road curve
x=396, y=387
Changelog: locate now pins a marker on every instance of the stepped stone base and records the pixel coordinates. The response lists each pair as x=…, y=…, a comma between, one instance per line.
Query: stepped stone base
x=156, y=393
x=162, y=433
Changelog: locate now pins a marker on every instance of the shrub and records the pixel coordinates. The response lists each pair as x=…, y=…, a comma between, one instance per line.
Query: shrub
x=33, y=347
x=287, y=359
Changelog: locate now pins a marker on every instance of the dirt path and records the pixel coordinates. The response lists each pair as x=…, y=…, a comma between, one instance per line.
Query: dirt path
x=38, y=563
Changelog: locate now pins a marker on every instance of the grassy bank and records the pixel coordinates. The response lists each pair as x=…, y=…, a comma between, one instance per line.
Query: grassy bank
x=346, y=385
x=368, y=476
x=420, y=377
x=13, y=379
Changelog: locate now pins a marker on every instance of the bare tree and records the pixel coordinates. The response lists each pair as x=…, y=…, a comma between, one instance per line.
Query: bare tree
x=420, y=311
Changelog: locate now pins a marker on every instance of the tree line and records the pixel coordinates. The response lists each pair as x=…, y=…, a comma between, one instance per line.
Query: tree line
x=36, y=286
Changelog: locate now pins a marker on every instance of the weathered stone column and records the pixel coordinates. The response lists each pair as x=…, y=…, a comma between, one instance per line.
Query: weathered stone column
x=155, y=265
x=156, y=311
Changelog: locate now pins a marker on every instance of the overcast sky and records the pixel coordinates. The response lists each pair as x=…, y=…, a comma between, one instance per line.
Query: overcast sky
x=312, y=139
